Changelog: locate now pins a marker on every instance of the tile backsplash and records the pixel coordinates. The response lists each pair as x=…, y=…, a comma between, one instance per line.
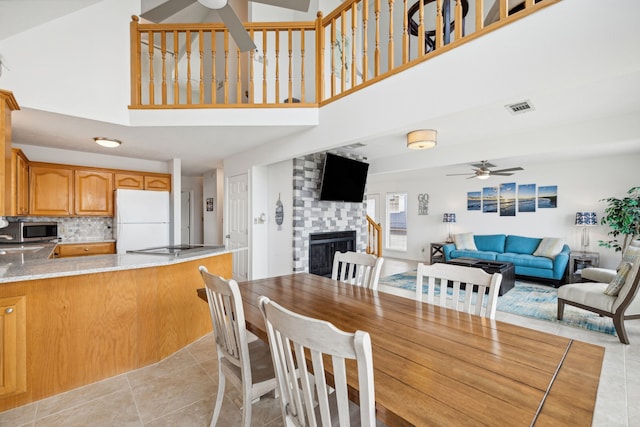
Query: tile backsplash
x=77, y=229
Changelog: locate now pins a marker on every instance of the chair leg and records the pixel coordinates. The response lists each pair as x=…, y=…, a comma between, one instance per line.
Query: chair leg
x=247, y=404
x=560, y=308
x=220, y=396
x=618, y=322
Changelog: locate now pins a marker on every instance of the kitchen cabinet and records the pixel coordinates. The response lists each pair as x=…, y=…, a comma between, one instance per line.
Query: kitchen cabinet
x=50, y=190
x=93, y=193
x=84, y=249
x=142, y=181
x=7, y=105
x=19, y=183
x=13, y=344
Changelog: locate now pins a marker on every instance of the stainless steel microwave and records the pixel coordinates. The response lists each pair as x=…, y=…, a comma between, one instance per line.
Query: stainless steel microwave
x=23, y=232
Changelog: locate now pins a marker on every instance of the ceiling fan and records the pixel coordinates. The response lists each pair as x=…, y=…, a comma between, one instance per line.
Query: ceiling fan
x=234, y=25
x=482, y=171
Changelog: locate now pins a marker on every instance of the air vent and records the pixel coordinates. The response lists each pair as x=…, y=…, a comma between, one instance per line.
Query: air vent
x=520, y=107
x=353, y=146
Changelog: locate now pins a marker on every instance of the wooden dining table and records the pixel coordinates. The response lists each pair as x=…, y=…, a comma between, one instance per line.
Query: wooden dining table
x=435, y=366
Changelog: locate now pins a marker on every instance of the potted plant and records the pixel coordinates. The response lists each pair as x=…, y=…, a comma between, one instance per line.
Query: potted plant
x=623, y=216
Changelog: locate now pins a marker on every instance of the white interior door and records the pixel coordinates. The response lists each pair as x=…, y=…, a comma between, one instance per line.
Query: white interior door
x=185, y=218
x=373, y=206
x=238, y=224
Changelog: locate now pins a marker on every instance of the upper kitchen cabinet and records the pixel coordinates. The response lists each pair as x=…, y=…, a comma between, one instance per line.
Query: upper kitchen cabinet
x=51, y=190
x=143, y=181
x=7, y=104
x=19, y=183
x=93, y=193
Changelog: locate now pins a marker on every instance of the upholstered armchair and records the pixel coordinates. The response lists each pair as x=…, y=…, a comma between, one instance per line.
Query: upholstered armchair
x=604, y=275
x=620, y=306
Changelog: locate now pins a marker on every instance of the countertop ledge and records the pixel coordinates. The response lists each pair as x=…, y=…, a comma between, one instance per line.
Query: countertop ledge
x=36, y=265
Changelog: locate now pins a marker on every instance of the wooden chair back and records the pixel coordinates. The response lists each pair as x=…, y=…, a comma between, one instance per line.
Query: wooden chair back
x=306, y=398
x=474, y=282
x=357, y=268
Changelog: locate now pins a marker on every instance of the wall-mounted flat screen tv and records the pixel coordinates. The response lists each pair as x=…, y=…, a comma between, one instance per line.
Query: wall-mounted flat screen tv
x=343, y=179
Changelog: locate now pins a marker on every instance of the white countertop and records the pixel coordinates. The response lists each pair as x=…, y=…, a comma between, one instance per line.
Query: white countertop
x=33, y=262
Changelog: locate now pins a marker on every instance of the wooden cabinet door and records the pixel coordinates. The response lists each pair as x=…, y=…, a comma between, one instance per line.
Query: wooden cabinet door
x=13, y=345
x=51, y=190
x=93, y=193
x=19, y=183
x=129, y=181
x=158, y=183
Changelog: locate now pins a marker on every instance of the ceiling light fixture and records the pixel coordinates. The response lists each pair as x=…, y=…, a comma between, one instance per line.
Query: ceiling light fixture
x=107, y=142
x=422, y=139
x=483, y=174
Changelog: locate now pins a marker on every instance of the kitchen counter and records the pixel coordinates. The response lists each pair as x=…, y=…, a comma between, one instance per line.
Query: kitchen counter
x=31, y=261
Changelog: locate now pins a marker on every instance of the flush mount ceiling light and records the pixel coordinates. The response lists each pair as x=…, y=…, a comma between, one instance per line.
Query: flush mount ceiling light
x=107, y=142
x=421, y=139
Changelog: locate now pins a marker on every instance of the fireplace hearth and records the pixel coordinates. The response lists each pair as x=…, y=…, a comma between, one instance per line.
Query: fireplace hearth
x=322, y=247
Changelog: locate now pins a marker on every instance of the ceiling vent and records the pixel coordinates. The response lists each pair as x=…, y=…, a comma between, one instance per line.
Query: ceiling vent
x=353, y=146
x=520, y=107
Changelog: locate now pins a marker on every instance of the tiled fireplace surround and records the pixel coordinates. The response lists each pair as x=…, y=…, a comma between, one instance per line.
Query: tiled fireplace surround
x=310, y=215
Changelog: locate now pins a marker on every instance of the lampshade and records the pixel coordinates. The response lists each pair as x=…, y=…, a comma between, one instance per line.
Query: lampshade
x=449, y=217
x=586, y=219
x=421, y=139
x=107, y=142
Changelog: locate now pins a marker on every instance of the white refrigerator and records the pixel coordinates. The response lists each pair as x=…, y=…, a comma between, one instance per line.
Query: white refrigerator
x=142, y=219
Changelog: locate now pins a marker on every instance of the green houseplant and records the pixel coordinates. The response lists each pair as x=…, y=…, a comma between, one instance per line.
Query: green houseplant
x=623, y=216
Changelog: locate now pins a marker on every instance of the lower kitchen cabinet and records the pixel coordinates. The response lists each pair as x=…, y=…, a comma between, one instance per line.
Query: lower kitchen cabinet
x=84, y=249
x=13, y=344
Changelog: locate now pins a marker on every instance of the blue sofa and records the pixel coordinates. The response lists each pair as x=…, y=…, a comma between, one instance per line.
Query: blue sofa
x=518, y=250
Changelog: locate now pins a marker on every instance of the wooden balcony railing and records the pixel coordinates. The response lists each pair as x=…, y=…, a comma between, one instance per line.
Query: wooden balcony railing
x=374, y=237
x=301, y=64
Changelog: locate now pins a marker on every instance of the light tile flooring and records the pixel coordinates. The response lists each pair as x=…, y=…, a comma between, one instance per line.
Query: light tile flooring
x=180, y=390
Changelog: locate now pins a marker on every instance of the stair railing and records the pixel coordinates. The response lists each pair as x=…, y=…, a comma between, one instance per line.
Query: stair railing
x=374, y=237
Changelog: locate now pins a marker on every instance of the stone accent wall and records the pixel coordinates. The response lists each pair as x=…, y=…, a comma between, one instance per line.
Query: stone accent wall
x=310, y=215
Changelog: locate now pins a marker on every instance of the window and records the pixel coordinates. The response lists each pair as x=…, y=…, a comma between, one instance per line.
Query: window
x=396, y=234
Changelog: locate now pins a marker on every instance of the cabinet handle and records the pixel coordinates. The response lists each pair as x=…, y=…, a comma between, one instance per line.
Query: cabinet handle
x=86, y=249
x=9, y=310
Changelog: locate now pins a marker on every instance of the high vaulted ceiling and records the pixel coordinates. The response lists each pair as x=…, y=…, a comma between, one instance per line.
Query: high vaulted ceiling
x=596, y=105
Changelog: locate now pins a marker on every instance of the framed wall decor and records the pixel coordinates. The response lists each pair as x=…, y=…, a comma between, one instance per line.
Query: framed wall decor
x=423, y=204
x=474, y=201
x=548, y=197
x=490, y=199
x=508, y=199
x=526, y=198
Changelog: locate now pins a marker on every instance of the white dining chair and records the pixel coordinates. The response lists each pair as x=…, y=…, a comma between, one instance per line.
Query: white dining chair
x=307, y=399
x=246, y=364
x=357, y=268
x=473, y=281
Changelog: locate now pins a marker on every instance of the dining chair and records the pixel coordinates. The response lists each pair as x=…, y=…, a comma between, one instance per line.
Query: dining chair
x=306, y=398
x=357, y=268
x=459, y=278
x=247, y=365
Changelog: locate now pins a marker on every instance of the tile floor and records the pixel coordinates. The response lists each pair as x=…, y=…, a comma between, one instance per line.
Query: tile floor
x=180, y=390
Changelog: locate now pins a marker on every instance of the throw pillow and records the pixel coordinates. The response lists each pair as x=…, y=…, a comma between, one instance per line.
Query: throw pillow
x=465, y=241
x=549, y=247
x=630, y=255
x=616, y=284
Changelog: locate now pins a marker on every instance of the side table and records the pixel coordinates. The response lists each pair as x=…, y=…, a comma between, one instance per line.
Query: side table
x=436, y=254
x=579, y=260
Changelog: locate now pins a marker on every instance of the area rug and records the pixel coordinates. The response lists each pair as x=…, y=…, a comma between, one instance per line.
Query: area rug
x=525, y=299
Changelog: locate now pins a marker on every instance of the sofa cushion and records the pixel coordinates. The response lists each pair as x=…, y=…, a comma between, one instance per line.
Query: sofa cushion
x=464, y=241
x=526, y=260
x=521, y=244
x=485, y=255
x=490, y=242
x=616, y=284
x=549, y=247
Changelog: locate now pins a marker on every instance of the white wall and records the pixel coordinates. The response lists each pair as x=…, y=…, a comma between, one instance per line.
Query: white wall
x=194, y=185
x=258, y=233
x=212, y=187
x=280, y=239
x=581, y=184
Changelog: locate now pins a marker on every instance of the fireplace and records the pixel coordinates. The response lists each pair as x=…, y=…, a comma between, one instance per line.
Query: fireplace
x=322, y=246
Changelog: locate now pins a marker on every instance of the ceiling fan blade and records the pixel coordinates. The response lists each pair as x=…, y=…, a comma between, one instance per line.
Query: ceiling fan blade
x=501, y=174
x=484, y=165
x=458, y=174
x=235, y=27
x=507, y=170
x=165, y=10
x=301, y=5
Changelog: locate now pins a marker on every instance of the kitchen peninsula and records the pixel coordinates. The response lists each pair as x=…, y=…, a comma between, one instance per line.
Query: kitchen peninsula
x=74, y=321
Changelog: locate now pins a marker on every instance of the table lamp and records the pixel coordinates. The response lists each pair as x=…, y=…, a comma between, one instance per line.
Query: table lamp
x=449, y=218
x=584, y=220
